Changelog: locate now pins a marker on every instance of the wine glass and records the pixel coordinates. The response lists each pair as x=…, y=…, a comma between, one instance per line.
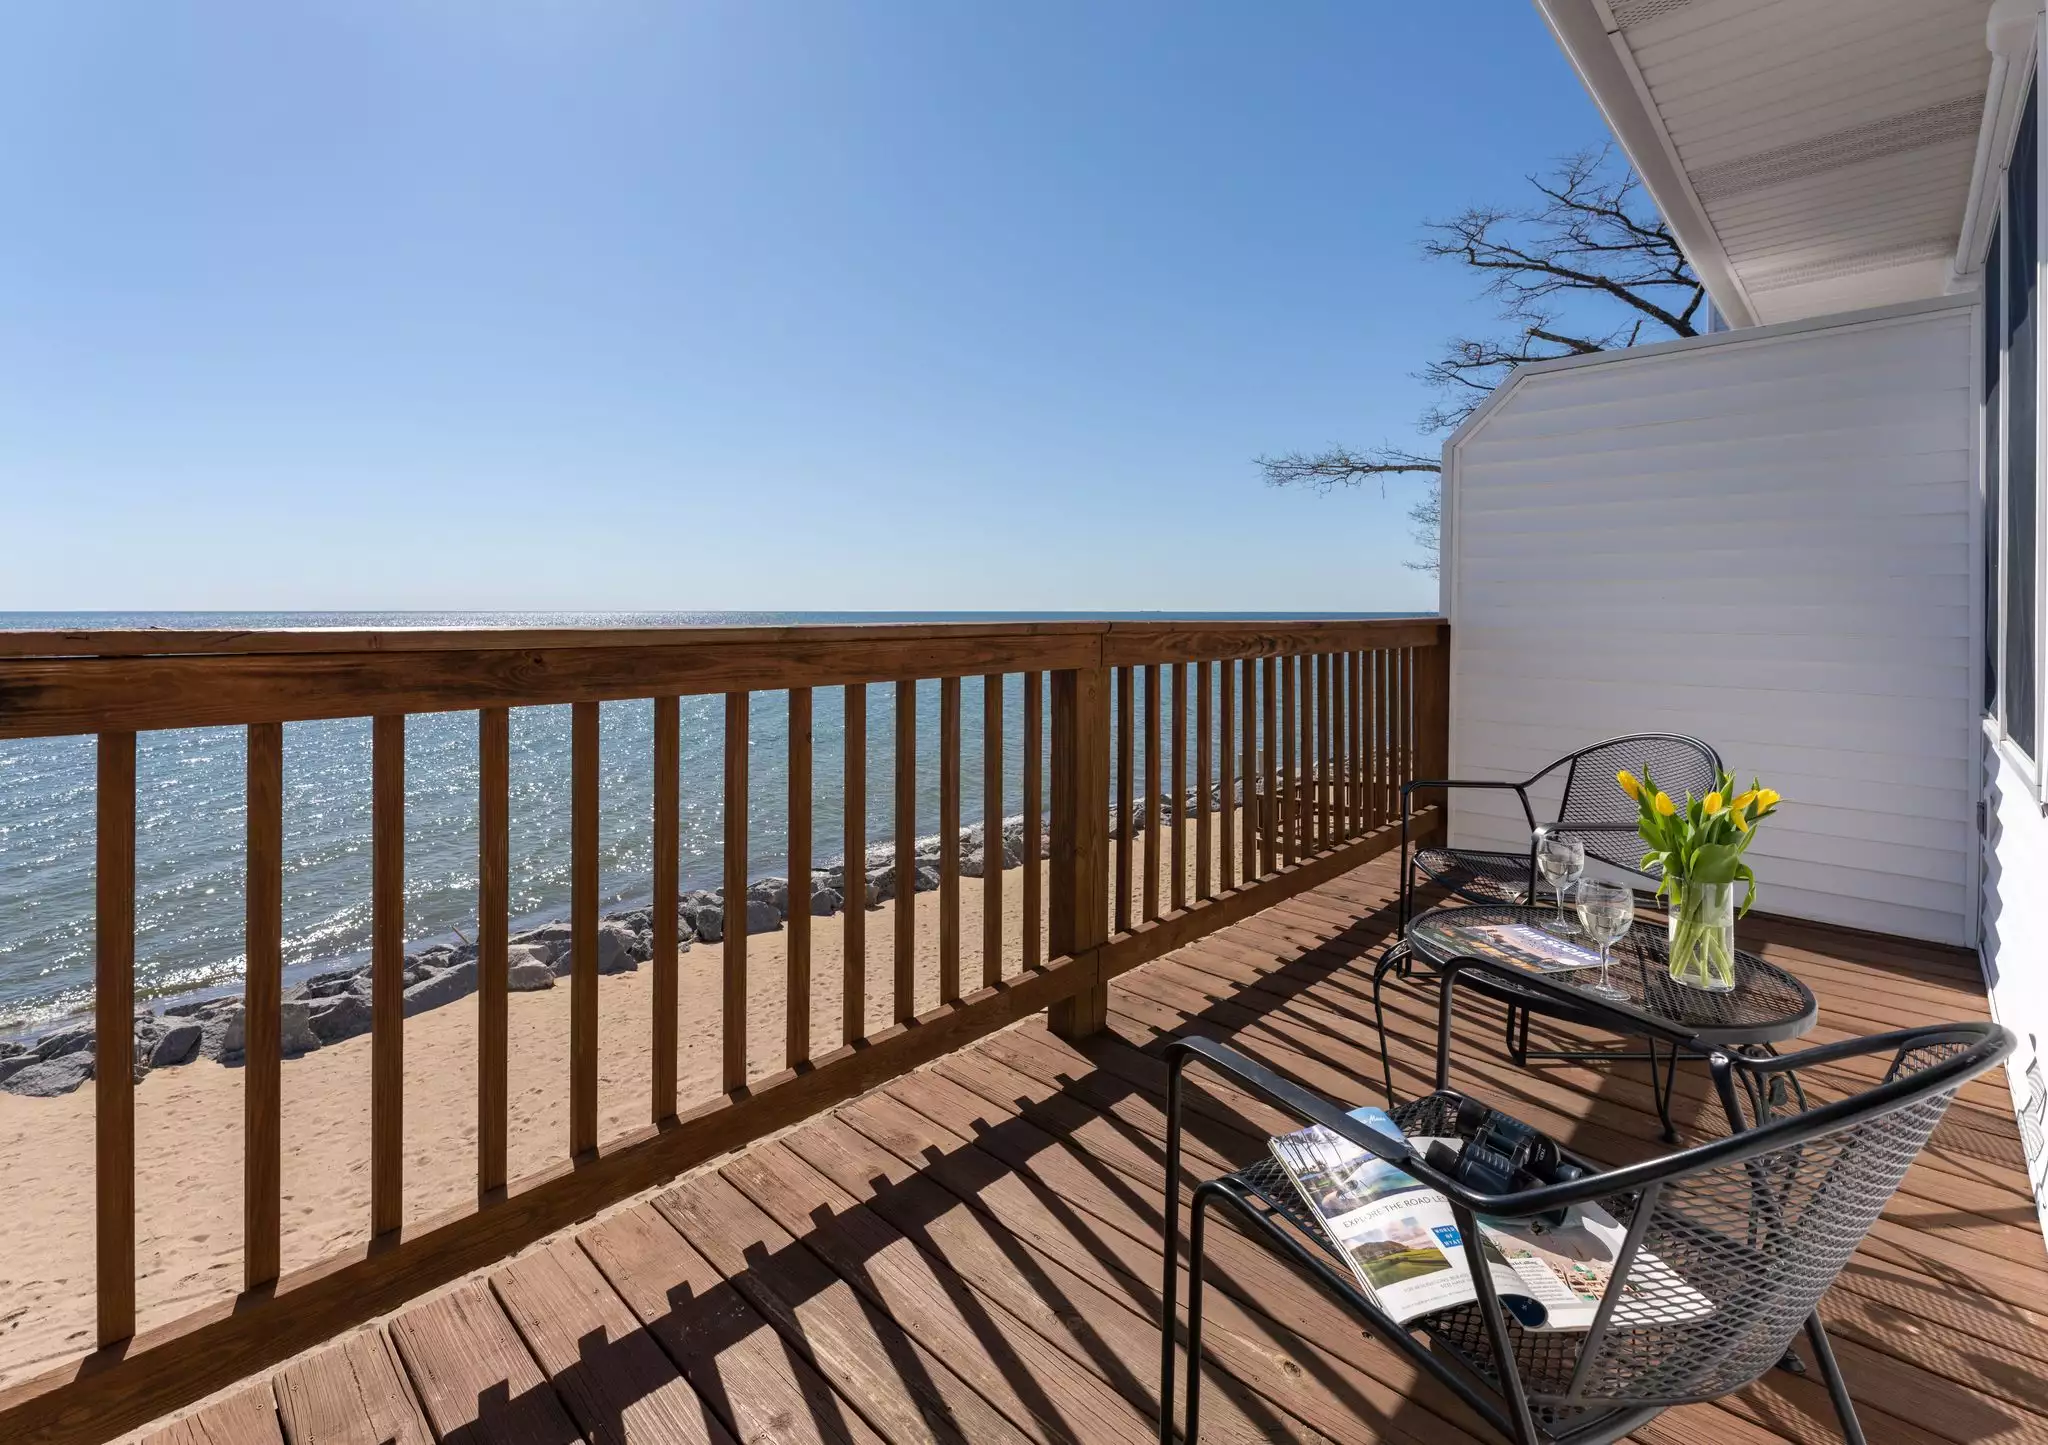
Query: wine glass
x=1606, y=912
x=1560, y=858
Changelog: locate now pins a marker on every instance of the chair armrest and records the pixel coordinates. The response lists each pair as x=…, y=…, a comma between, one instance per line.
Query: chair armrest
x=1414, y=783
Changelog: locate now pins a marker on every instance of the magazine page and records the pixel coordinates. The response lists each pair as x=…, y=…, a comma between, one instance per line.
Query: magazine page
x=1568, y=1268
x=1398, y=1235
x=1527, y=946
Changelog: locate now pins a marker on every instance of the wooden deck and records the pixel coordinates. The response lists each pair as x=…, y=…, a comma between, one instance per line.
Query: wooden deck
x=971, y=1253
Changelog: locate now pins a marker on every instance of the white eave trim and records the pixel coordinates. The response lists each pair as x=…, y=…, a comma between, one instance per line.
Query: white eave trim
x=2012, y=66
x=1594, y=46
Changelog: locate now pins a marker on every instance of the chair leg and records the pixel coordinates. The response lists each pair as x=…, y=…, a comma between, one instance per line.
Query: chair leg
x=1838, y=1388
x=1191, y=1424
x=1664, y=1091
x=1395, y=954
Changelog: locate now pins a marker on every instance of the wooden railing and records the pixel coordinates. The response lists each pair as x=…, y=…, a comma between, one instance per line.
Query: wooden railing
x=1292, y=738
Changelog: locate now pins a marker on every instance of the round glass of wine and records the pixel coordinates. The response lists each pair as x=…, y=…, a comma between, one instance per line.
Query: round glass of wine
x=1606, y=911
x=1561, y=859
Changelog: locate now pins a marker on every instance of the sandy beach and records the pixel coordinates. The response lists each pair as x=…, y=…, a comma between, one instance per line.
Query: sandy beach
x=189, y=1124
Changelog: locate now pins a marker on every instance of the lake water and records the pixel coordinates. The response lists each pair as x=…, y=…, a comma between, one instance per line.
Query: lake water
x=190, y=817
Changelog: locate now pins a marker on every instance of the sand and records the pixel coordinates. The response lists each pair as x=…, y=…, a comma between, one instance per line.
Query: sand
x=189, y=1124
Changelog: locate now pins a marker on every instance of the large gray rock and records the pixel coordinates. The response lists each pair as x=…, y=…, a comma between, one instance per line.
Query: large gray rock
x=14, y=1064
x=222, y=1037
x=520, y=953
x=971, y=864
x=9, y=1048
x=826, y=901
x=927, y=878
x=295, y=1034
x=762, y=917
x=65, y=1041
x=342, y=1016
x=772, y=891
x=327, y=985
x=441, y=987
x=710, y=923
x=881, y=885
x=557, y=932
x=47, y=1078
x=529, y=976
x=175, y=1045
x=615, y=948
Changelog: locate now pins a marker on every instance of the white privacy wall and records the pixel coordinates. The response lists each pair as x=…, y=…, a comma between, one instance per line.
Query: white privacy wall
x=1762, y=538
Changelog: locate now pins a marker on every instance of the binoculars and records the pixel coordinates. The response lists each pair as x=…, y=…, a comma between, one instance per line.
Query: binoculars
x=1502, y=1155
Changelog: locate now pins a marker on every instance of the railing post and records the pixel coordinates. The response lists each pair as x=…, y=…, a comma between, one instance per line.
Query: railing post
x=1432, y=747
x=1079, y=908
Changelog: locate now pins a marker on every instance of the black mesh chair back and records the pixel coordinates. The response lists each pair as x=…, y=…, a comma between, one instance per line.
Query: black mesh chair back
x=1680, y=765
x=1729, y=1245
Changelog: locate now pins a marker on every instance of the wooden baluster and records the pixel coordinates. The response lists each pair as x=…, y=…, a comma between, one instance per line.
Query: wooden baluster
x=949, y=839
x=1404, y=698
x=1205, y=703
x=114, y=1039
x=1080, y=765
x=493, y=921
x=906, y=852
x=1126, y=791
x=1269, y=806
x=1340, y=735
x=1376, y=756
x=992, y=829
x=584, y=781
x=387, y=973
x=733, y=1001
x=1354, y=782
x=1326, y=757
x=1151, y=885
x=1311, y=753
x=1177, y=890
x=797, y=1005
x=1290, y=740
x=262, y=997
x=1034, y=744
x=853, y=946
x=1226, y=779
x=668, y=789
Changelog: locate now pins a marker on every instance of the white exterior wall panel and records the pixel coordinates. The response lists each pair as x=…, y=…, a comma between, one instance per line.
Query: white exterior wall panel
x=1763, y=538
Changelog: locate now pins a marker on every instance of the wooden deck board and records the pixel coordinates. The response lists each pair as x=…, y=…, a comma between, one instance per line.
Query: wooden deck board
x=351, y=1393
x=972, y=1252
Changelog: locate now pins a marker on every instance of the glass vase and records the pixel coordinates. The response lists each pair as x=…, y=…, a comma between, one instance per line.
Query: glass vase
x=1702, y=936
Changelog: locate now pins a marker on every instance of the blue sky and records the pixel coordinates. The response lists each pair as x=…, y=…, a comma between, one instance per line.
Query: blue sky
x=550, y=304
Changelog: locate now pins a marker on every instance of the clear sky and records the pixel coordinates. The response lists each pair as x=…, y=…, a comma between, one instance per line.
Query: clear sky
x=764, y=304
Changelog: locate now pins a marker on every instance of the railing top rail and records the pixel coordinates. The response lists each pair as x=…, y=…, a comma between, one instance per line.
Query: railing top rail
x=305, y=676
x=51, y=643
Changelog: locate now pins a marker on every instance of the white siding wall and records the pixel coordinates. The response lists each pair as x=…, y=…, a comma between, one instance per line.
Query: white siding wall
x=2015, y=946
x=1763, y=538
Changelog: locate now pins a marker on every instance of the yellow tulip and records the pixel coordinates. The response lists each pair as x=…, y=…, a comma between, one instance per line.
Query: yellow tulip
x=1741, y=823
x=1629, y=784
x=1766, y=800
x=1711, y=804
x=1664, y=805
x=1744, y=801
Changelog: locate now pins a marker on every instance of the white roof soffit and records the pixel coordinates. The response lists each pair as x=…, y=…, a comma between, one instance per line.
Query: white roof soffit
x=1811, y=156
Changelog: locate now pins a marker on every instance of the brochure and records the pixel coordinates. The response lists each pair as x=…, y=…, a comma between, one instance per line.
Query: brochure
x=1406, y=1250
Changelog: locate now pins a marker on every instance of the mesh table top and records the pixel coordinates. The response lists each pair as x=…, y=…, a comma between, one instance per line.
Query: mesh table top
x=1767, y=1004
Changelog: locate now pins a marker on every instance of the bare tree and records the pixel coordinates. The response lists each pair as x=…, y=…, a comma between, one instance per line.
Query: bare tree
x=1586, y=266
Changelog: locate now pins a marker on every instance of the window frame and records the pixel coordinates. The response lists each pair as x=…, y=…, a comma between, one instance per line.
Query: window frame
x=1994, y=482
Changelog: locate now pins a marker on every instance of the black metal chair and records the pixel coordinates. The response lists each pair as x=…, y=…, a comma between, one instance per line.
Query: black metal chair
x=1594, y=810
x=1759, y=1221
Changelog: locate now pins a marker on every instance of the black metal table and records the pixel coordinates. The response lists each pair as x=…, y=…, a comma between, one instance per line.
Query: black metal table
x=1766, y=1007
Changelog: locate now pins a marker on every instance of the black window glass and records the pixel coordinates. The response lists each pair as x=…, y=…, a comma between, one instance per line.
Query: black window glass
x=2022, y=251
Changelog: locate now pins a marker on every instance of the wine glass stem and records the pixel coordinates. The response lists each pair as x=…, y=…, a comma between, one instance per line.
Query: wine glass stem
x=1605, y=948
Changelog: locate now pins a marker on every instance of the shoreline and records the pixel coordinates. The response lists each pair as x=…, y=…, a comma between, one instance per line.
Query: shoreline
x=326, y=1001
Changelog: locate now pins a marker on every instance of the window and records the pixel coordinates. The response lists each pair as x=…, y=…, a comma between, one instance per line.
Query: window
x=1994, y=351
x=2022, y=253
x=2011, y=393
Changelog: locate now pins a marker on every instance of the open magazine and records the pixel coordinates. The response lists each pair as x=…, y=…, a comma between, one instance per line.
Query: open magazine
x=1403, y=1243
x=1526, y=946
